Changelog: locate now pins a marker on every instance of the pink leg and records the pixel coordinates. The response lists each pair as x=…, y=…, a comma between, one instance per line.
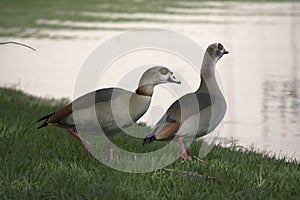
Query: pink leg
x=72, y=132
x=189, y=154
x=110, y=151
x=182, y=147
x=86, y=143
x=185, y=153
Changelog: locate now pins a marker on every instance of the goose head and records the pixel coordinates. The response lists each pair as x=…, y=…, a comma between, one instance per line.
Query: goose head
x=157, y=75
x=216, y=51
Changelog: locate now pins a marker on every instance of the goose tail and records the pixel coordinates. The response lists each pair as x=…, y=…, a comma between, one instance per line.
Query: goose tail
x=149, y=139
x=45, y=123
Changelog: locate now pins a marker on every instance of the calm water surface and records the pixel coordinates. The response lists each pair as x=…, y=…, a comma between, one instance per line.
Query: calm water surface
x=261, y=75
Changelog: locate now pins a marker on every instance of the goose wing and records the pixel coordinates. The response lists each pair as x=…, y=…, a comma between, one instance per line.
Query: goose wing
x=182, y=109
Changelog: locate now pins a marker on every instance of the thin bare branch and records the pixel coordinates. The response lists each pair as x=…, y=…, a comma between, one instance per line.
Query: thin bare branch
x=17, y=43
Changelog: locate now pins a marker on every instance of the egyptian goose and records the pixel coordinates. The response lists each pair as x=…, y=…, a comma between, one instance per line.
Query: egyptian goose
x=115, y=108
x=194, y=114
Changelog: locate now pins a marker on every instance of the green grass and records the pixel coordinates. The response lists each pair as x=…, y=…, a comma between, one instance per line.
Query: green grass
x=50, y=164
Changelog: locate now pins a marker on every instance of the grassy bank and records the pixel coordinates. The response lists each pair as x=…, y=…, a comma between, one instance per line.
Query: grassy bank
x=50, y=164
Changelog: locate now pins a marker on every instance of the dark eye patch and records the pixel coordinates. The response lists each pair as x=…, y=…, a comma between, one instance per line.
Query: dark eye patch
x=220, y=47
x=164, y=71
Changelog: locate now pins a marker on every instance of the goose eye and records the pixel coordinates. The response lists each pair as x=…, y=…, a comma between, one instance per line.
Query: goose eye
x=220, y=47
x=164, y=71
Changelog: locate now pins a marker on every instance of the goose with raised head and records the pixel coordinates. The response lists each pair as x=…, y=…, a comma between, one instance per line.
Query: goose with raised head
x=115, y=108
x=195, y=114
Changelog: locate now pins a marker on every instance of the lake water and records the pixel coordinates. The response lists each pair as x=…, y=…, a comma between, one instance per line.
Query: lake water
x=261, y=75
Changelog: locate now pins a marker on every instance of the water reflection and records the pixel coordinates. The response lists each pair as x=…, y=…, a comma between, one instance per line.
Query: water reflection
x=33, y=19
x=281, y=107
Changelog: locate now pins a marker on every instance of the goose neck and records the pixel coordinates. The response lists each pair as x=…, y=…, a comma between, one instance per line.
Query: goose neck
x=208, y=66
x=145, y=90
x=208, y=79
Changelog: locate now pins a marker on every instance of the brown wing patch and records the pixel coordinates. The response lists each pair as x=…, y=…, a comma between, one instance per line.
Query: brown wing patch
x=62, y=113
x=168, y=131
x=175, y=116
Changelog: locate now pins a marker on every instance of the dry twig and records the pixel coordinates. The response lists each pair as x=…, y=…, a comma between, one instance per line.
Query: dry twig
x=17, y=43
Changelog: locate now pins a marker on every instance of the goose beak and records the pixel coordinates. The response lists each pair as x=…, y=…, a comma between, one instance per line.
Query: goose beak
x=225, y=52
x=172, y=79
